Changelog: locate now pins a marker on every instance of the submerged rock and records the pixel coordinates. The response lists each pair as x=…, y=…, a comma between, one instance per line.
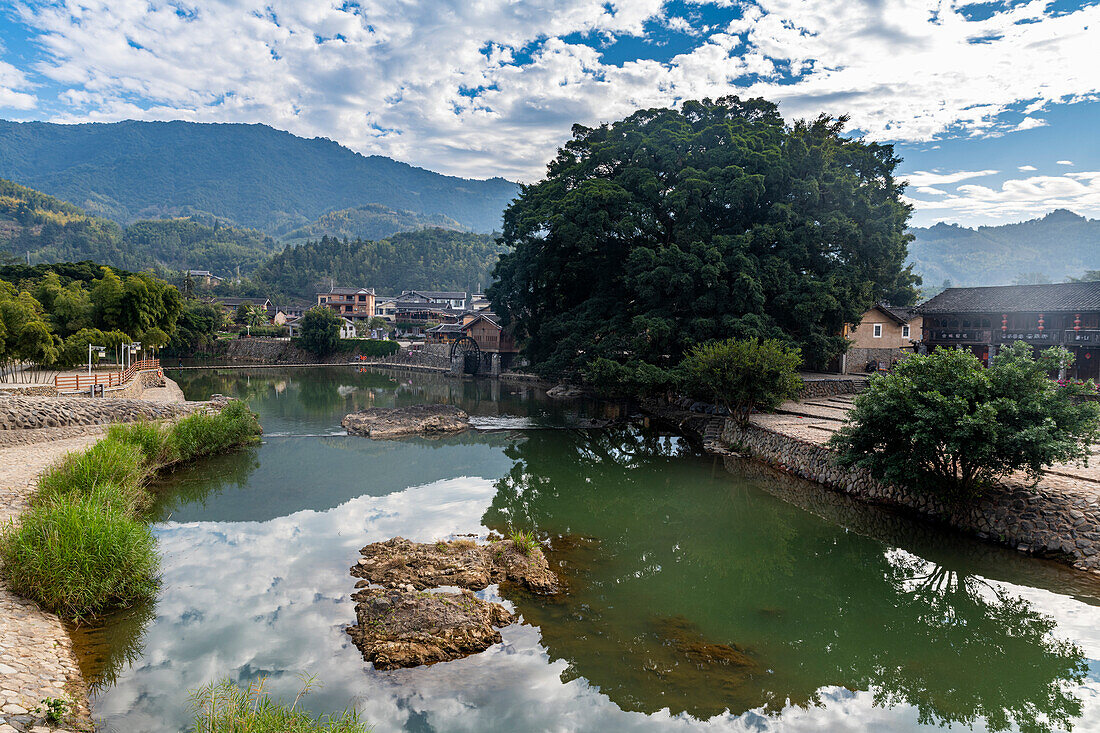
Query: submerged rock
x=393, y=422
x=406, y=628
x=564, y=392
x=461, y=563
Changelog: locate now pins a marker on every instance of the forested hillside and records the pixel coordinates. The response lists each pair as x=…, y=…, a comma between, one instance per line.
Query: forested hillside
x=51, y=230
x=1056, y=247
x=254, y=175
x=430, y=259
x=369, y=221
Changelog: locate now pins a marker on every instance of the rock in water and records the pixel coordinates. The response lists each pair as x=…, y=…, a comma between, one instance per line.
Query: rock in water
x=564, y=392
x=461, y=563
x=406, y=628
x=394, y=422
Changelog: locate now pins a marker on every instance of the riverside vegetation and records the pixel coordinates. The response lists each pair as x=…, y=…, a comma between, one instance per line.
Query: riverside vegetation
x=224, y=707
x=83, y=548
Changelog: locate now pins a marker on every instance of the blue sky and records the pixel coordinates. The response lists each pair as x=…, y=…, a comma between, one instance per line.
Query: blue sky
x=992, y=105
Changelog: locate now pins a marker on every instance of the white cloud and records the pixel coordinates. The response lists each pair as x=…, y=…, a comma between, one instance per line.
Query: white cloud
x=925, y=178
x=1030, y=123
x=1065, y=162
x=490, y=88
x=1015, y=199
x=931, y=190
x=1027, y=168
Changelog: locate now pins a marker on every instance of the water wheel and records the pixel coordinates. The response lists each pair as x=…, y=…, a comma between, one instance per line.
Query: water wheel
x=470, y=353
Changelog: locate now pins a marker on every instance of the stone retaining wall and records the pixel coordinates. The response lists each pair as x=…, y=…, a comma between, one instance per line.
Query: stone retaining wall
x=31, y=413
x=832, y=387
x=28, y=390
x=1039, y=520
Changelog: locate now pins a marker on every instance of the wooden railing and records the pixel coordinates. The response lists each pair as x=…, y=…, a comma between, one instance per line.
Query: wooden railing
x=80, y=382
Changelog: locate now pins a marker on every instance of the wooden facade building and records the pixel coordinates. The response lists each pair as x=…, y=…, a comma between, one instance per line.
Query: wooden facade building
x=988, y=318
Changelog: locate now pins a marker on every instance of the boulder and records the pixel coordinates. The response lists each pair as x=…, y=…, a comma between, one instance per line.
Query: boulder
x=564, y=392
x=461, y=563
x=399, y=627
x=394, y=422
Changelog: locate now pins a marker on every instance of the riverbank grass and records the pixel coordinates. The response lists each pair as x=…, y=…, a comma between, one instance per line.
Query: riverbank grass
x=224, y=707
x=83, y=548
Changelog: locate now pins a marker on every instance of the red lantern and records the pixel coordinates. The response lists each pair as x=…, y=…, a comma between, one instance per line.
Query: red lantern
x=1004, y=323
x=1040, y=322
x=1077, y=322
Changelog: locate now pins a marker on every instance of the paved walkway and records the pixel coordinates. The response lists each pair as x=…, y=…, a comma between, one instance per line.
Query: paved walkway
x=817, y=419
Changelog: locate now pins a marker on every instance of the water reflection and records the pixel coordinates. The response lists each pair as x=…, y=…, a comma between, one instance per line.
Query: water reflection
x=700, y=606
x=699, y=599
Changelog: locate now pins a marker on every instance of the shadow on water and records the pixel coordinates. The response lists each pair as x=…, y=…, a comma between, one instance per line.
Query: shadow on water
x=700, y=606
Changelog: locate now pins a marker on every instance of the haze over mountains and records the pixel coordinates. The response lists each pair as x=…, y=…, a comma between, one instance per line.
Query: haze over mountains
x=254, y=175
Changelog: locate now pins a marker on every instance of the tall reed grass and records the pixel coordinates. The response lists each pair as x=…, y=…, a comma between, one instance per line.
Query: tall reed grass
x=83, y=548
x=224, y=707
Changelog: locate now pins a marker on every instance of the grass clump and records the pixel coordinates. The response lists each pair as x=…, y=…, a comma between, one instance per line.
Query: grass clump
x=77, y=555
x=225, y=707
x=114, y=472
x=203, y=435
x=525, y=542
x=83, y=549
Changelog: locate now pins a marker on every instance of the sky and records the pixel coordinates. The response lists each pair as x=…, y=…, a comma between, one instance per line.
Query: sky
x=994, y=106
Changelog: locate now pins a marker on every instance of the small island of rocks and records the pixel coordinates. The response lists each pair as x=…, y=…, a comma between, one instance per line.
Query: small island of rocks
x=404, y=620
x=396, y=422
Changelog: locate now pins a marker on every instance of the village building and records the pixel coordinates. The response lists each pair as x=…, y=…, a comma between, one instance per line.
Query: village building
x=204, y=277
x=441, y=299
x=884, y=335
x=230, y=305
x=984, y=319
x=347, y=327
x=353, y=303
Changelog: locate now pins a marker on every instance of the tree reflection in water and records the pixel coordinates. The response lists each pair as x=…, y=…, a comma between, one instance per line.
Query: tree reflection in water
x=699, y=592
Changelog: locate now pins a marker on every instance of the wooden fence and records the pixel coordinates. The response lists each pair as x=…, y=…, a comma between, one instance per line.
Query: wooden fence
x=80, y=382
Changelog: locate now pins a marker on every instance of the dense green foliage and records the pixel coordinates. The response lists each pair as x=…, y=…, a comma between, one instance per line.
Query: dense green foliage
x=367, y=222
x=434, y=259
x=743, y=375
x=251, y=174
x=51, y=230
x=360, y=346
x=196, y=328
x=82, y=549
x=224, y=707
x=676, y=227
x=49, y=319
x=944, y=425
x=320, y=331
x=1058, y=246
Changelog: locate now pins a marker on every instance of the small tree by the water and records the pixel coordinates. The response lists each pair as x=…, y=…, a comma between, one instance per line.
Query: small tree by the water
x=743, y=375
x=945, y=425
x=320, y=331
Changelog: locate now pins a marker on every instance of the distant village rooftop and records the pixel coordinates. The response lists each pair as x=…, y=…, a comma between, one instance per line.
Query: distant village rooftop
x=1058, y=297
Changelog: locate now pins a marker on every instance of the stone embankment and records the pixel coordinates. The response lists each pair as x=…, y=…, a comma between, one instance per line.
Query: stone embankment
x=1058, y=518
x=31, y=413
x=404, y=619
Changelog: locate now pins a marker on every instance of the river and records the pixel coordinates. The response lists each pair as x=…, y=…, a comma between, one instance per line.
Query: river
x=702, y=596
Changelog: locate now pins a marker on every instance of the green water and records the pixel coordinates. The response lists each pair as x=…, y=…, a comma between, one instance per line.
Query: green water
x=702, y=596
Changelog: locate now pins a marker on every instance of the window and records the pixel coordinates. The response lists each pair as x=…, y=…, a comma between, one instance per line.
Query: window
x=878, y=330
x=905, y=332
x=362, y=299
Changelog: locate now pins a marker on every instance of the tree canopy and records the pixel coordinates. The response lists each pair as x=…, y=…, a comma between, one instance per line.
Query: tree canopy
x=320, y=331
x=717, y=220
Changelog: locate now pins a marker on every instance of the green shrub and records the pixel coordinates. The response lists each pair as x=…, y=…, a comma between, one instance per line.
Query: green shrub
x=945, y=425
x=152, y=438
x=743, y=375
x=525, y=542
x=227, y=708
x=202, y=435
x=118, y=468
x=80, y=556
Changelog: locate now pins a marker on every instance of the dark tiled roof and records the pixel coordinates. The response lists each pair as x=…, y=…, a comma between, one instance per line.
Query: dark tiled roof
x=900, y=313
x=1070, y=297
x=438, y=294
x=445, y=328
x=347, y=291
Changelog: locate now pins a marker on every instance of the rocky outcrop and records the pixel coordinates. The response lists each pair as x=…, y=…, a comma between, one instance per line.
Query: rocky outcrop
x=565, y=392
x=395, y=422
x=399, y=627
x=400, y=623
x=461, y=563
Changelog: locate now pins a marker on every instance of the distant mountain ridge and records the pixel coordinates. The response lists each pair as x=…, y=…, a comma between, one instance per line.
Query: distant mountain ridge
x=252, y=174
x=369, y=221
x=1058, y=246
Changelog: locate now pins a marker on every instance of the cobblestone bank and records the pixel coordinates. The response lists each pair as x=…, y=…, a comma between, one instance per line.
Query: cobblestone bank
x=1042, y=520
x=31, y=413
x=832, y=387
x=28, y=390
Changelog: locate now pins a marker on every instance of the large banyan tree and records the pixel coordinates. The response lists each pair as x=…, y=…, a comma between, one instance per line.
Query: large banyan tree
x=715, y=220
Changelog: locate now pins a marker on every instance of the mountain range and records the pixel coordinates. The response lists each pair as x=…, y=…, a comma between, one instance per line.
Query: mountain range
x=252, y=174
x=1053, y=248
